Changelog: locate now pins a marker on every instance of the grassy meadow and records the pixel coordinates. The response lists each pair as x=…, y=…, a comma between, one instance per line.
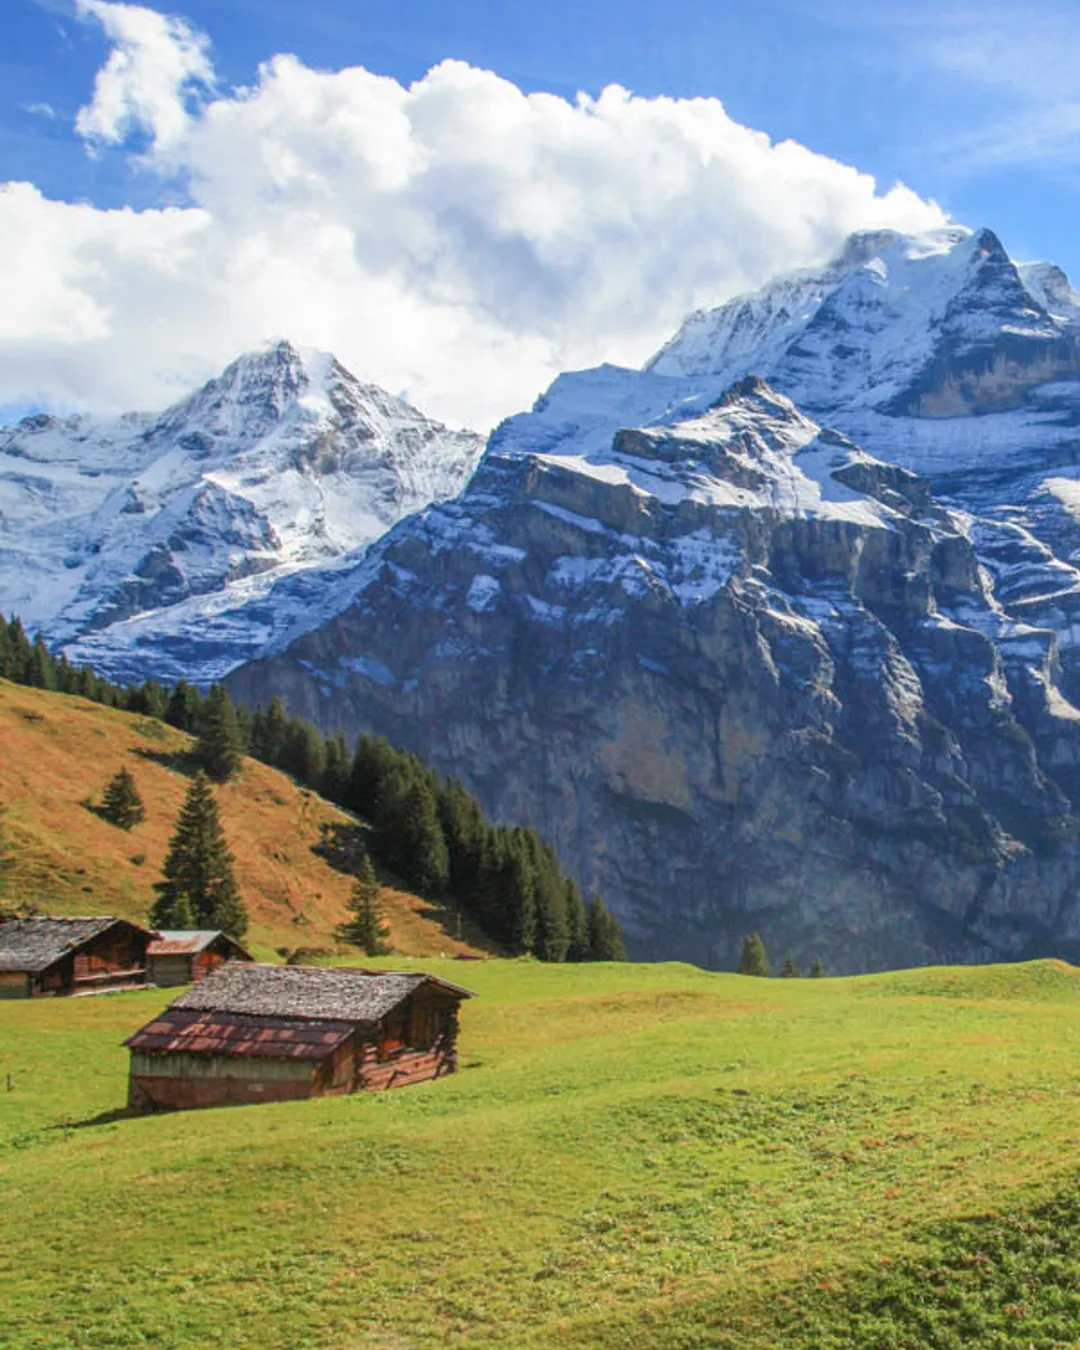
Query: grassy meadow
x=58, y=752
x=632, y=1156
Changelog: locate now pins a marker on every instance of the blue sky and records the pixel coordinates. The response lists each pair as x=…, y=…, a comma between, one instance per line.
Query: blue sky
x=973, y=107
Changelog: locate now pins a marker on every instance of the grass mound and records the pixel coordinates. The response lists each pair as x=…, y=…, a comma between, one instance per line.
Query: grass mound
x=1035, y=981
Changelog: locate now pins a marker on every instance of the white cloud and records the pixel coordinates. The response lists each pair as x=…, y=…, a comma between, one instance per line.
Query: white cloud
x=157, y=66
x=457, y=239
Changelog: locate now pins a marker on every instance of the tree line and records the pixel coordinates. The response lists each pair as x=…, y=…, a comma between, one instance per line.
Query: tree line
x=429, y=831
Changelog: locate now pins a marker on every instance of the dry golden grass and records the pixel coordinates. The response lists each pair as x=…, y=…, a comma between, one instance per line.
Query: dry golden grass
x=58, y=751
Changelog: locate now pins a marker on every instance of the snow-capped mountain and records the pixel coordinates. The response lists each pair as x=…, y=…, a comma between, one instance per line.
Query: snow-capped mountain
x=797, y=655
x=182, y=543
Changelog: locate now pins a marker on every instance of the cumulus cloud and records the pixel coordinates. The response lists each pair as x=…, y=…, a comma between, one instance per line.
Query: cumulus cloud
x=456, y=240
x=158, y=66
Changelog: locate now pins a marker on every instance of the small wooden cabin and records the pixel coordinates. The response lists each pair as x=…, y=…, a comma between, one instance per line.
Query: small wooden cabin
x=186, y=956
x=255, y=1033
x=44, y=956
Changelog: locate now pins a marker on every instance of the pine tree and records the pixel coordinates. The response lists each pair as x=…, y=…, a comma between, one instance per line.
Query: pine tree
x=789, y=970
x=197, y=888
x=577, y=918
x=120, y=802
x=753, y=959
x=268, y=732
x=19, y=651
x=217, y=749
x=373, y=761
x=817, y=970
x=605, y=939
x=407, y=830
x=367, y=928
x=552, y=922
x=40, y=670
x=335, y=775
x=184, y=708
x=303, y=754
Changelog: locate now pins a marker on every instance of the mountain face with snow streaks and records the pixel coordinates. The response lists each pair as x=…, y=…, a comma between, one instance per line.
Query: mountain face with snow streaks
x=777, y=633
x=180, y=544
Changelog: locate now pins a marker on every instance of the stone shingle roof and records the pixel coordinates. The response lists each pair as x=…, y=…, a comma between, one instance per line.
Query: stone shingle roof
x=311, y=992
x=187, y=941
x=35, y=944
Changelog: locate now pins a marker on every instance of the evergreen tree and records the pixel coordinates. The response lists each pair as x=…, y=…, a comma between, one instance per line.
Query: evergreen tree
x=40, y=669
x=577, y=919
x=789, y=970
x=605, y=939
x=335, y=775
x=7, y=661
x=407, y=830
x=184, y=708
x=817, y=970
x=464, y=830
x=303, y=754
x=120, y=802
x=197, y=888
x=85, y=685
x=753, y=959
x=217, y=749
x=268, y=729
x=373, y=760
x=19, y=651
x=552, y=939
x=367, y=928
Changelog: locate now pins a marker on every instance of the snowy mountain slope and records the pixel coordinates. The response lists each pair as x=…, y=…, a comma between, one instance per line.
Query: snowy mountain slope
x=749, y=671
x=151, y=543
x=743, y=673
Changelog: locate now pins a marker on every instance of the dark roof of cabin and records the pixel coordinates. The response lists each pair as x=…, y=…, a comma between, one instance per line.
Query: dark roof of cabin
x=35, y=944
x=307, y=992
x=188, y=942
x=222, y=1033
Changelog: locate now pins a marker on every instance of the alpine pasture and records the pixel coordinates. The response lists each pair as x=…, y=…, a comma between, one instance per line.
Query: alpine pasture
x=631, y=1156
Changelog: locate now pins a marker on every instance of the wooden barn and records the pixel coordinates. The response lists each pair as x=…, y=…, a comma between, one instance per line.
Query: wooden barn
x=255, y=1033
x=70, y=956
x=183, y=956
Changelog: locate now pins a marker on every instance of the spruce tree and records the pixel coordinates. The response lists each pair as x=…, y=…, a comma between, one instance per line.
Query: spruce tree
x=817, y=970
x=184, y=708
x=789, y=970
x=753, y=959
x=373, y=761
x=197, y=888
x=407, y=830
x=268, y=732
x=577, y=918
x=335, y=775
x=40, y=670
x=367, y=928
x=120, y=802
x=605, y=939
x=217, y=749
x=303, y=754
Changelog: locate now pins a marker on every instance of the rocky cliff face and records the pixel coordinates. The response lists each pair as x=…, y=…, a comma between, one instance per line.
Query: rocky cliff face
x=744, y=673
x=181, y=544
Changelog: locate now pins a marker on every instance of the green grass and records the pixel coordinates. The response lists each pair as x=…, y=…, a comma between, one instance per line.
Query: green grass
x=632, y=1156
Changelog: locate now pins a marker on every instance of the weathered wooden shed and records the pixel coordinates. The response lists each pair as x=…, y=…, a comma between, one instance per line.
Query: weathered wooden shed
x=44, y=956
x=255, y=1033
x=186, y=956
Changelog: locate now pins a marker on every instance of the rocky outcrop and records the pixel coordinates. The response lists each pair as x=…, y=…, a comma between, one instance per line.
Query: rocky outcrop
x=745, y=676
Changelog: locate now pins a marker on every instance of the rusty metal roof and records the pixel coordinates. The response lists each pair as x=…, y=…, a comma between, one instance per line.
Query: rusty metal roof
x=308, y=992
x=35, y=944
x=233, y=1034
x=189, y=942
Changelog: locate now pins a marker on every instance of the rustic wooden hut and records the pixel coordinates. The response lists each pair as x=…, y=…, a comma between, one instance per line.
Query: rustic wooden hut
x=70, y=956
x=186, y=956
x=255, y=1033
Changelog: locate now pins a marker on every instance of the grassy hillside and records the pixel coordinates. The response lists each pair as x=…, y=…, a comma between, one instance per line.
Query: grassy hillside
x=59, y=750
x=632, y=1156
